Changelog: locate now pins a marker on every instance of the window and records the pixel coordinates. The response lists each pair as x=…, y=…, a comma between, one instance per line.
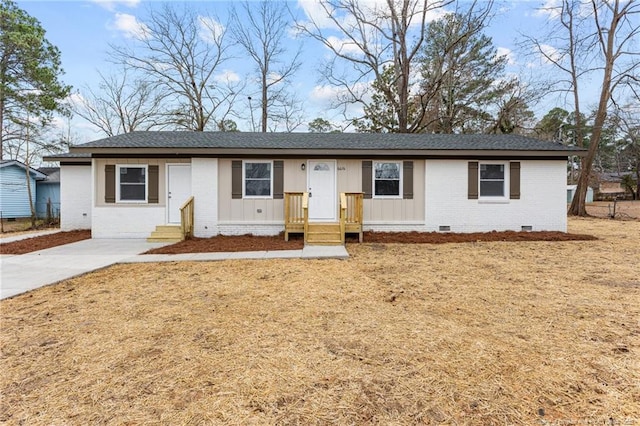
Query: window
x=131, y=183
x=492, y=180
x=386, y=179
x=257, y=179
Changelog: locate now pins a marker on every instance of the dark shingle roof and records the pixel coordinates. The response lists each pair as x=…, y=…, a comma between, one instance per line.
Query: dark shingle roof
x=319, y=141
x=53, y=173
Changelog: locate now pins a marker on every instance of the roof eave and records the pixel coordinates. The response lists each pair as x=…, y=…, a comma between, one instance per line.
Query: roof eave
x=315, y=152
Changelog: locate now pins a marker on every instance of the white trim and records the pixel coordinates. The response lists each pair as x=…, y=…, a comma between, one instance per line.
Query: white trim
x=146, y=183
x=504, y=199
x=244, y=181
x=400, y=180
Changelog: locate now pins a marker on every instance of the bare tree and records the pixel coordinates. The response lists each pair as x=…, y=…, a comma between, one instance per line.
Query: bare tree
x=260, y=28
x=373, y=37
x=616, y=28
x=183, y=53
x=569, y=54
x=122, y=105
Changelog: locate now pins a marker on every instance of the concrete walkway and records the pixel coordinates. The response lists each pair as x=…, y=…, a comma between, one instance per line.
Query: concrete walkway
x=23, y=236
x=25, y=272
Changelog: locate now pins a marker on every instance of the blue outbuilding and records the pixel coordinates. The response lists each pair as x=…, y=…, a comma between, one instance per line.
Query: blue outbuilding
x=48, y=193
x=14, y=196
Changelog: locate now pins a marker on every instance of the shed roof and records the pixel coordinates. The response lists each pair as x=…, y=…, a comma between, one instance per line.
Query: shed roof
x=35, y=173
x=53, y=174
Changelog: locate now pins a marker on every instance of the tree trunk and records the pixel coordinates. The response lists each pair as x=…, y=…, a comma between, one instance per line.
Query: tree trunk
x=578, y=205
x=27, y=168
x=264, y=105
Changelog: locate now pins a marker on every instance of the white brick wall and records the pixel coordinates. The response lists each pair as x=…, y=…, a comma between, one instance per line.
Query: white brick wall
x=542, y=202
x=75, y=197
x=204, y=187
x=120, y=221
x=394, y=226
x=242, y=228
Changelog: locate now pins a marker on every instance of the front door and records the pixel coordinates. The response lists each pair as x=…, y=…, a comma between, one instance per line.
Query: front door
x=321, y=178
x=178, y=189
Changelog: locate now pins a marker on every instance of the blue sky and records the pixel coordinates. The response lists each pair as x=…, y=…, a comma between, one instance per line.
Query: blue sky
x=83, y=31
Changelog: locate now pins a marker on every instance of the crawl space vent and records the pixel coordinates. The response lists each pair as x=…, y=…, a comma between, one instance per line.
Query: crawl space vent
x=444, y=228
x=527, y=228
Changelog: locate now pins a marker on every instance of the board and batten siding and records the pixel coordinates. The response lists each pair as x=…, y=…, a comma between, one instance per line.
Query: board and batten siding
x=541, y=203
x=14, y=197
x=386, y=214
x=267, y=211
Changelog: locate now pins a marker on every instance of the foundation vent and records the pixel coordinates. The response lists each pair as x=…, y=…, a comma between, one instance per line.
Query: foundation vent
x=444, y=228
x=527, y=228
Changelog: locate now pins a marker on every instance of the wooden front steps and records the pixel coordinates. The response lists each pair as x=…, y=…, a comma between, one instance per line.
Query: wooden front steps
x=324, y=234
x=166, y=234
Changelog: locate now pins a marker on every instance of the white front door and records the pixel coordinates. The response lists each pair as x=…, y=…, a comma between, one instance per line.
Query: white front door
x=178, y=189
x=321, y=177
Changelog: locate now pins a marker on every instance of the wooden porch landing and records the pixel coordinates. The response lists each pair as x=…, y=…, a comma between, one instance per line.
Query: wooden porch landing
x=296, y=212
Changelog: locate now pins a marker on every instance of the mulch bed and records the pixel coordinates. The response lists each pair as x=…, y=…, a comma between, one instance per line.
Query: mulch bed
x=224, y=243
x=232, y=243
x=451, y=237
x=43, y=242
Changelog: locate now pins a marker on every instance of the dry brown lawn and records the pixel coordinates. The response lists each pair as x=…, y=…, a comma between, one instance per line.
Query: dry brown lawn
x=470, y=333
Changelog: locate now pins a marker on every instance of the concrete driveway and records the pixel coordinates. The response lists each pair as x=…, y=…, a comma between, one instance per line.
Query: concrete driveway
x=21, y=273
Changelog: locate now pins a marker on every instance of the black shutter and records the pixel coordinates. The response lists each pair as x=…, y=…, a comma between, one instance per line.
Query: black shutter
x=278, y=180
x=367, y=178
x=472, y=193
x=514, y=180
x=110, y=183
x=153, y=185
x=236, y=179
x=407, y=177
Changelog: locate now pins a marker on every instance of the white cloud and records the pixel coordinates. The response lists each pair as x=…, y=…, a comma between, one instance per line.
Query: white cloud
x=227, y=76
x=549, y=54
x=504, y=51
x=344, y=46
x=211, y=30
x=329, y=95
x=129, y=26
x=315, y=12
x=111, y=4
x=324, y=16
x=550, y=9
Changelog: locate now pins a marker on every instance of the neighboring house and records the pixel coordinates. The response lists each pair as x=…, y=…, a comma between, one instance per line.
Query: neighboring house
x=610, y=186
x=48, y=193
x=14, y=195
x=126, y=185
x=571, y=192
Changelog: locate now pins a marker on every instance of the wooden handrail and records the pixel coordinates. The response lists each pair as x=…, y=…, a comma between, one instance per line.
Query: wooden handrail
x=305, y=214
x=294, y=213
x=186, y=218
x=343, y=215
x=353, y=215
